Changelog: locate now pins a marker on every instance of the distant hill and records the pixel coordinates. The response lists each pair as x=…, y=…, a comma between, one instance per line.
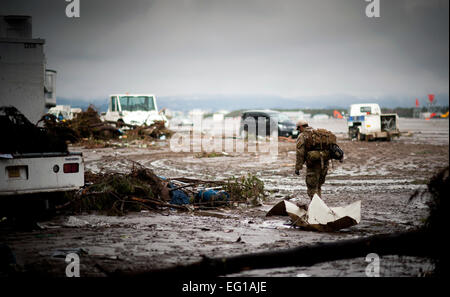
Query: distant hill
x=235, y=102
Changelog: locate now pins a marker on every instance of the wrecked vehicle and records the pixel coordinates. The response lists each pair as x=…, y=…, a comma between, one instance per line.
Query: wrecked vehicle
x=133, y=110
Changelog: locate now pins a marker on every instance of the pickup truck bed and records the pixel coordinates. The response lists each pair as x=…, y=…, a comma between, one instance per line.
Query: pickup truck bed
x=29, y=173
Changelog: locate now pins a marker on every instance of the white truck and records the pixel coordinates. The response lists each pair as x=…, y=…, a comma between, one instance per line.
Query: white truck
x=133, y=110
x=29, y=88
x=366, y=122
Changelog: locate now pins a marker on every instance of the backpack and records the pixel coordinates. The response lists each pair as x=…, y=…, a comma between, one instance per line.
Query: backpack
x=319, y=139
x=325, y=141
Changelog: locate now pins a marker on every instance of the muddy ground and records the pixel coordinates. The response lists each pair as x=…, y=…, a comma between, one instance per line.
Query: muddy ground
x=383, y=175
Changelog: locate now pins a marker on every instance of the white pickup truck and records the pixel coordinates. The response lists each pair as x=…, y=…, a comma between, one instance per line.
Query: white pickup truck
x=366, y=122
x=133, y=110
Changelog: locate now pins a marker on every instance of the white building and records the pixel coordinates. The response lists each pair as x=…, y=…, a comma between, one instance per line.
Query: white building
x=24, y=80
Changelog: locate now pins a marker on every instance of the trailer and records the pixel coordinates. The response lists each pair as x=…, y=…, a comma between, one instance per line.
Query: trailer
x=366, y=122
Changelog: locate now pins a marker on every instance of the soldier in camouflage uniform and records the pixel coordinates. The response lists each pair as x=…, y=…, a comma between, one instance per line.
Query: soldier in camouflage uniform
x=316, y=170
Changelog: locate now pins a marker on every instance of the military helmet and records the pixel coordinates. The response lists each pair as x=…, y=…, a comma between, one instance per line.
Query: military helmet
x=302, y=123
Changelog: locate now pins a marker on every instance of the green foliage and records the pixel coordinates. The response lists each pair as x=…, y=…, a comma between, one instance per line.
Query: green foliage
x=248, y=189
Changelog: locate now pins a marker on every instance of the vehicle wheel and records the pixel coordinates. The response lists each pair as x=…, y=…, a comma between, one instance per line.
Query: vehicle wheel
x=360, y=137
x=353, y=133
x=350, y=135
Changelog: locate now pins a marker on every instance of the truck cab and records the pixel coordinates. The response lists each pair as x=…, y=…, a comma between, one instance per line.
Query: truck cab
x=133, y=110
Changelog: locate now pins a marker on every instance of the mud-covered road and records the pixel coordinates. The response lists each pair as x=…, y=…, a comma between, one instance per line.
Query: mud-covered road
x=383, y=175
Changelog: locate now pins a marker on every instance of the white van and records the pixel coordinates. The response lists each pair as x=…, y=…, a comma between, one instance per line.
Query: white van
x=133, y=110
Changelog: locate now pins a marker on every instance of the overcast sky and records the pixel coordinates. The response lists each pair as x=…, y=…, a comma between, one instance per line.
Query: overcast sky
x=283, y=48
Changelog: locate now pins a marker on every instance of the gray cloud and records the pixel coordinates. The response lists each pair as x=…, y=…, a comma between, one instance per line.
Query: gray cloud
x=287, y=48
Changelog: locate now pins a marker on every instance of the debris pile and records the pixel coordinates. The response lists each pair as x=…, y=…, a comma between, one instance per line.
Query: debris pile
x=157, y=130
x=61, y=130
x=89, y=125
x=89, y=130
x=86, y=129
x=118, y=193
x=22, y=136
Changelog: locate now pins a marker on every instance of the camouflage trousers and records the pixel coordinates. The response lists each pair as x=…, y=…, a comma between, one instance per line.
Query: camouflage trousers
x=315, y=178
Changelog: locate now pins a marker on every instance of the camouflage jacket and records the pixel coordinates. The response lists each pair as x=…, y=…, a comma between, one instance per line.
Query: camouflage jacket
x=301, y=150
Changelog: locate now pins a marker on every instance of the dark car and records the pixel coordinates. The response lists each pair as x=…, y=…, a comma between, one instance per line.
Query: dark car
x=258, y=122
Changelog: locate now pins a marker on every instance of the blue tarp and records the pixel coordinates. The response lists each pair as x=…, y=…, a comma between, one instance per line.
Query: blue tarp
x=180, y=197
x=211, y=196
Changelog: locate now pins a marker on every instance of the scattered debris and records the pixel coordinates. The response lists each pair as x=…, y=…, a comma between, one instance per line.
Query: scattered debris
x=318, y=216
x=87, y=129
x=142, y=189
x=157, y=130
x=117, y=193
x=88, y=124
x=421, y=242
x=74, y=222
x=59, y=129
x=22, y=136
